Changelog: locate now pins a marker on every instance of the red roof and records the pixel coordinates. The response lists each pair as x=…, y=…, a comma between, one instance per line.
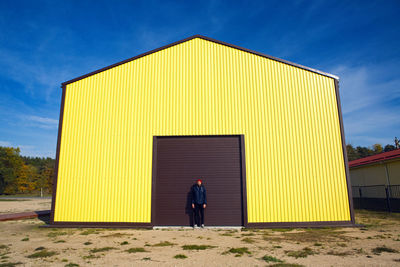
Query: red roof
x=376, y=158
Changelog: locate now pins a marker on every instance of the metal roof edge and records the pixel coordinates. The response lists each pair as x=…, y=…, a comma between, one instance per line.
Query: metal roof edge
x=204, y=38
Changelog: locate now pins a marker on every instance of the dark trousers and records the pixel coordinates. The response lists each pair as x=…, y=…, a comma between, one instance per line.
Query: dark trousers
x=198, y=208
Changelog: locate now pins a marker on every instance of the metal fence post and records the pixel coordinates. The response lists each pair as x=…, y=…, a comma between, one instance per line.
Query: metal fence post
x=360, y=191
x=388, y=199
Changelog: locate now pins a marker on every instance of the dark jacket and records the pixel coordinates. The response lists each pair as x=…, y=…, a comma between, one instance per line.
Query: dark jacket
x=199, y=195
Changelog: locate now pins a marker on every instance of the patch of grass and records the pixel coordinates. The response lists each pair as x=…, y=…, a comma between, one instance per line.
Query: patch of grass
x=286, y=265
x=71, y=265
x=146, y=259
x=124, y=243
x=277, y=246
x=55, y=234
x=312, y=235
x=25, y=239
x=64, y=260
x=59, y=241
x=238, y=251
x=3, y=247
x=42, y=254
x=90, y=231
x=96, y=250
x=197, y=247
x=317, y=244
x=87, y=243
x=268, y=258
x=10, y=264
x=180, y=256
x=164, y=244
x=115, y=235
x=337, y=253
x=91, y=256
x=300, y=253
x=248, y=234
x=135, y=250
x=379, y=250
x=248, y=240
x=226, y=234
x=282, y=229
x=39, y=248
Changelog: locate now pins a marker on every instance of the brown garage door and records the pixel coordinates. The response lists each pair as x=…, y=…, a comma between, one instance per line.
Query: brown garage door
x=179, y=161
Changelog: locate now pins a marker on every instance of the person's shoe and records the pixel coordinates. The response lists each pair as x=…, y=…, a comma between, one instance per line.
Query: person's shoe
x=202, y=226
x=195, y=226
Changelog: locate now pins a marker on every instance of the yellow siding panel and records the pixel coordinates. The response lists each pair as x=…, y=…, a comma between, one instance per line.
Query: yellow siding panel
x=289, y=117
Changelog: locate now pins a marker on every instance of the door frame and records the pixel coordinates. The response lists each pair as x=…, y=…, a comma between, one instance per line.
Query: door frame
x=242, y=174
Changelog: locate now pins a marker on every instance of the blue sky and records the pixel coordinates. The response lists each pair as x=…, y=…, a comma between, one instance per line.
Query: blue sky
x=44, y=43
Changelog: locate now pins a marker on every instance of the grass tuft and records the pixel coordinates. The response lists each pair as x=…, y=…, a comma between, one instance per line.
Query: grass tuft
x=197, y=247
x=248, y=240
x=42, y=254
x=96, y=250
x=124, y=243
x=300, y=253
x=55, y=234
x=164, y=244
x=286, y=265
x=180, y=256
x=25, y=239
x=238, y=251
x=268, y=258
x=71, y=265
x=90, y=231
x=137, y=249
x=379, y=250
x=341, y=254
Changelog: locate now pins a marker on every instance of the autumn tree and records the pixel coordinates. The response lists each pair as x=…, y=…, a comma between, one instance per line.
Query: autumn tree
x=10, y=166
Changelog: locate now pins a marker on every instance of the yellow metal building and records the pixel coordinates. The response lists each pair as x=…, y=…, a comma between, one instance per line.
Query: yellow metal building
x=287, y=118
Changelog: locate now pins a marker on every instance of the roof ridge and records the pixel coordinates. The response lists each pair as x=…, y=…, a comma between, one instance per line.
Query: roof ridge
x=204, y=38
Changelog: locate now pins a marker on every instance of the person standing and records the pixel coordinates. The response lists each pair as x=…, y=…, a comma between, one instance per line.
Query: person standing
x=199, y=203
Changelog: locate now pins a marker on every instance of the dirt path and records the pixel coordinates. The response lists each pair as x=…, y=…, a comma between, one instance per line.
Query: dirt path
x=23, y=204
x=377, y=244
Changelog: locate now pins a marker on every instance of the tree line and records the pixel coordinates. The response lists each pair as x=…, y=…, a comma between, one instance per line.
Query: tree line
x=362, y=152
x=22, y=175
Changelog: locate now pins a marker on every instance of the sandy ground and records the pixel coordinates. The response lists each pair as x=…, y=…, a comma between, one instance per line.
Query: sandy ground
x=24, y=204
x=324, y=247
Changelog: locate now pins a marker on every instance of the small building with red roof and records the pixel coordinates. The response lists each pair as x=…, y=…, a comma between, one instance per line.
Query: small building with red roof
x=375, y=181
x=379, y=169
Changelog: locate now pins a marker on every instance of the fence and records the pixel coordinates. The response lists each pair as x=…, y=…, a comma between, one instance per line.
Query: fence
x=377, y=197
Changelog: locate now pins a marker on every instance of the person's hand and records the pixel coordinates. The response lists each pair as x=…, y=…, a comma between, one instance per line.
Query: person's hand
x=204, y=206
x=192, y=206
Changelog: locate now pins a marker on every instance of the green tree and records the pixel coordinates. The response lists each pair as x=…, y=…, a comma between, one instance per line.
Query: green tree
x=377, y=148
x=351, y=152
x=389, y=148
x=10, y=166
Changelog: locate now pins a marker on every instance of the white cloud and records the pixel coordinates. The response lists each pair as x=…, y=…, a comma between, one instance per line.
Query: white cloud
x=367, y=99
x=5, y=143
x=41, y=122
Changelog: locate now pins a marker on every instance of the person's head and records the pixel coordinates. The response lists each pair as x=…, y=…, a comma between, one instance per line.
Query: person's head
x=199, y=181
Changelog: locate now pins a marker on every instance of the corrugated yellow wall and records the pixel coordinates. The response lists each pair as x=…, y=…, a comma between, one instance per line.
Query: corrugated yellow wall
x=289, y=117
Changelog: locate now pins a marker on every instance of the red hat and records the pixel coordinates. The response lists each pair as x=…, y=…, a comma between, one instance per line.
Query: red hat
x=199, y=180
